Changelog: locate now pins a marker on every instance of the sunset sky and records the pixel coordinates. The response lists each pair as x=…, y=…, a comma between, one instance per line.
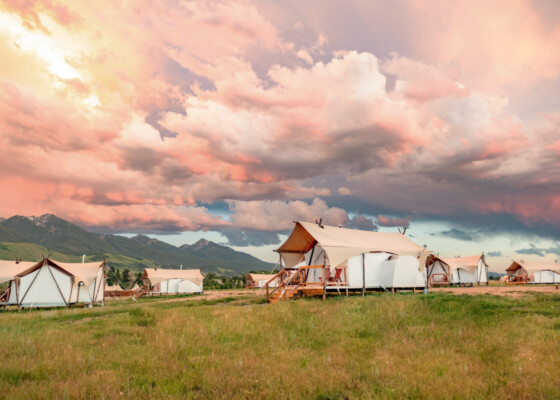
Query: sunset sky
x=230, y=119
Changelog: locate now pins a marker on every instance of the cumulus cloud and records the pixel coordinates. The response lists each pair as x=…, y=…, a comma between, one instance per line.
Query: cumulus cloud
x=362, y=222
x=494, y=254
x=540, y=251
x=279, y=216
x=122, y=123
x=460, y=234
x=383, y=220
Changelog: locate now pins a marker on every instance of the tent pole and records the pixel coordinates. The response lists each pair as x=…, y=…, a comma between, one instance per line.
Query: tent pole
x=31, y=284
x=59, y=291
x=346, y=279
x=363, y=274
x=427, y=272
x=71, y=288
x=312, y=251
x=17, y=289
x=324, y=282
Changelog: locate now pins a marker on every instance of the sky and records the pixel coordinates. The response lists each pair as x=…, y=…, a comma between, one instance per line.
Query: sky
x=228, y=120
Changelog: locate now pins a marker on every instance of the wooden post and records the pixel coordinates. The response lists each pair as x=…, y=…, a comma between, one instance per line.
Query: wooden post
x=324, y=282
x=363, y=274
x=312, y=251
x=346, y=279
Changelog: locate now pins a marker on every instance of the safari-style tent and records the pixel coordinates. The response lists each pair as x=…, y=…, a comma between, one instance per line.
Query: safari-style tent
x=51, y=283
x=534, y=271
x=8, y=272
x=457, y=271
x=167, y=281
x=257, y=281
x=317, y=258
x=114, y=290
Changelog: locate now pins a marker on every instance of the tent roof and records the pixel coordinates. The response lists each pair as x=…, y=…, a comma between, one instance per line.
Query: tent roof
x=9, y=269
x=468, y=263
x=112, y=288
x=82, y=272
x=156, y=276
x=534, y=266
x=261, y=277
x=340, y=244
x=86, y=272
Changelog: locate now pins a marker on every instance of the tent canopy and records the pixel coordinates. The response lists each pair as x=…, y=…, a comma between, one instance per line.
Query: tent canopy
x=9, y=269
x=340, y=244
x=260, y=277
x=156, y=276
x=113, y=288
x=467, y=263
x=534, y=266
x=82, y=272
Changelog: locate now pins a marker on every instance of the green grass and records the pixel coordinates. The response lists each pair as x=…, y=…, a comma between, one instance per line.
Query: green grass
x=435, y=346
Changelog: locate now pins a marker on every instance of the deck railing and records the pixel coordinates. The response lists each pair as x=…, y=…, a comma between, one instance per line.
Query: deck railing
x=291, y=280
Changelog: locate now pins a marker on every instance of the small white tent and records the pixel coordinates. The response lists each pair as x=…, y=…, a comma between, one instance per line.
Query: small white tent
x=536, y=271
x=458, y=270
x=257, y=281
x=166, y=281
x=354, y=259
x=50, y=283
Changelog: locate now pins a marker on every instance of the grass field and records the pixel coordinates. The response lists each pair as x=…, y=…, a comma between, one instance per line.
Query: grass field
x=435, y=346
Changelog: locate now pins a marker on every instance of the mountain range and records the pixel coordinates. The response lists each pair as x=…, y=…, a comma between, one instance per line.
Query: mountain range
x=29, y=237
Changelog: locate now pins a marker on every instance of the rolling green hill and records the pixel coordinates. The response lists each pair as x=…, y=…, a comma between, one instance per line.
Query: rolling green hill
x=30, y=237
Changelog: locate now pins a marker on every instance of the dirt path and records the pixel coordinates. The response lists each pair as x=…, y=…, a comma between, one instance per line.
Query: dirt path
x=499, y=290
x=218, y=294
x=207, y=295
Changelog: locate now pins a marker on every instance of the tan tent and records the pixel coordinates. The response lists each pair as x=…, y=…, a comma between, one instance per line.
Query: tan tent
x=352, y=259
x=167, y=281
x=536, y=271
x=458, y=270
x=50, y=283
x=8, y=272
x=256, y=281
x=9, y=269
x=340, y=244
x=113, y=288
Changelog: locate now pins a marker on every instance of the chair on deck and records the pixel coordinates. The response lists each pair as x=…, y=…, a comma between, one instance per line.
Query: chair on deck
x=337, y=275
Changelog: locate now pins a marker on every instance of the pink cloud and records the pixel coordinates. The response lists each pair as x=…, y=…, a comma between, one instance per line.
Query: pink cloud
x=383, y=220
x=278, y=215
x=490, y=45
x=81, y=124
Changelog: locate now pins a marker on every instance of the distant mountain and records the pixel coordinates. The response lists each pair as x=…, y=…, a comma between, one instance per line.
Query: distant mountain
x=56, y=234
x=495, y=275
x=8, y=235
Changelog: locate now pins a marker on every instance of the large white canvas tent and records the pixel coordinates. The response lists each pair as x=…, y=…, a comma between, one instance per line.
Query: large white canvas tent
x=166, y=281
x=458, y=270
x=51, y=283
x=258, y=281
x=353, y=259
x=535, y=271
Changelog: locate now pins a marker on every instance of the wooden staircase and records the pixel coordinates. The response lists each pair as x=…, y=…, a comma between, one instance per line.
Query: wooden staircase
x=292, y=286
x=141, y=291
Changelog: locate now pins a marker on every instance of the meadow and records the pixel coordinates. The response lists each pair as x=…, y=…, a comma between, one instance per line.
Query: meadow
x=435, y=346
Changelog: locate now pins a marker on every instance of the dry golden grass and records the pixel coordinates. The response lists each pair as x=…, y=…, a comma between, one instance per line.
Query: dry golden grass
x=435, y=346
